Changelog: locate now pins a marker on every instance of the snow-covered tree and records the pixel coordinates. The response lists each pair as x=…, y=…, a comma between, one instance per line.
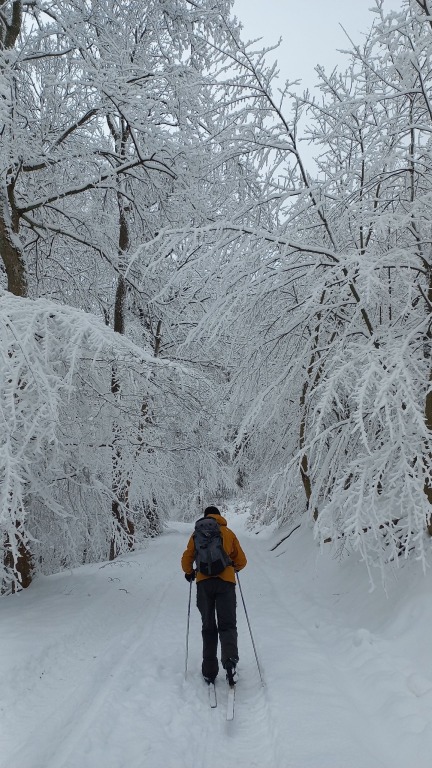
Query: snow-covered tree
x=113, y=131
x=338, y=375
x=57, y=413
x=328, y=288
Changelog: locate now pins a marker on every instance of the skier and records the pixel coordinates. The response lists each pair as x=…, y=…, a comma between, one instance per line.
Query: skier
x=216, y=600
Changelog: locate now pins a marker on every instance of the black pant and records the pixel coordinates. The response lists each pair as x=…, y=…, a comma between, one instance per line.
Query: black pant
x=216, y=598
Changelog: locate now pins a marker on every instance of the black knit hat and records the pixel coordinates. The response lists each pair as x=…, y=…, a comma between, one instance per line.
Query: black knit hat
x=211, y=511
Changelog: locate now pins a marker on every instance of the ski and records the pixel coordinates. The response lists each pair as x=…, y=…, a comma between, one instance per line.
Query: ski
x=230, y=704
x=212, y=695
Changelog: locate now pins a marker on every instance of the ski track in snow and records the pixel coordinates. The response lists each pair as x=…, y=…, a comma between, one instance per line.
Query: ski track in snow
x=313, y=673
x=92, y=669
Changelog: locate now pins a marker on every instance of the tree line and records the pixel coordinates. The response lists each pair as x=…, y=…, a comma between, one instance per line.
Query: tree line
x=187, y=308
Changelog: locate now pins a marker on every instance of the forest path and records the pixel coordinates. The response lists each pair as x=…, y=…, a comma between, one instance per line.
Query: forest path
x=92, y=669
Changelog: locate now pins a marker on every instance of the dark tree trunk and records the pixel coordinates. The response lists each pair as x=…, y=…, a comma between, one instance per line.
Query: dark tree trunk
x=17, y=556
x=10, y=28
x=428, y=413
x=18, y=560
x=122, y=519
x=13, y=261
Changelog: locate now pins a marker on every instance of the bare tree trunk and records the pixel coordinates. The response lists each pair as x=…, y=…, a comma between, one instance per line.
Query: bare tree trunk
x=150, y=508
x=308, y=384
x=122, y=522
x=18, y=560
x=427, y=486
x=13, y=260
x=122, y=519
x=428, y=404
x=17, y=556
x=10, y=28
x=120, y=482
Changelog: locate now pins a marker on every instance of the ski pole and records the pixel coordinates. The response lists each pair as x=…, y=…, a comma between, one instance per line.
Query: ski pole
x=187, y=628
x=250, y=631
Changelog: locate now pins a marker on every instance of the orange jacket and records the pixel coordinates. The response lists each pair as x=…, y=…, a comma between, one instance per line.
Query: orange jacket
x=231, y=545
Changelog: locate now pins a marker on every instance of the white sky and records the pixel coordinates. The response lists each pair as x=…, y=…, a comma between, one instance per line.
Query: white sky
x=310, y=30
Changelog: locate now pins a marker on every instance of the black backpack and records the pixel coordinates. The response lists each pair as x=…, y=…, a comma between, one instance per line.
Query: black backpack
x=210, y=556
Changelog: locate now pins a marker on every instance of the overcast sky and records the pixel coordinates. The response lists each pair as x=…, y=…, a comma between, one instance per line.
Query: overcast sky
x=310, y=30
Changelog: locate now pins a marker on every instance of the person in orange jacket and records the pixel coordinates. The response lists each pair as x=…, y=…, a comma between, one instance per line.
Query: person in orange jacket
x=216, y=602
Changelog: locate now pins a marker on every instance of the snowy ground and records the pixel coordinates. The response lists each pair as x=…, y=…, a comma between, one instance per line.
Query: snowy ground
x=92, y=666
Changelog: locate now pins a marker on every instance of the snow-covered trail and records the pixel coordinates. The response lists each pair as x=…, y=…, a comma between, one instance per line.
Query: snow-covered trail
x=92, y=670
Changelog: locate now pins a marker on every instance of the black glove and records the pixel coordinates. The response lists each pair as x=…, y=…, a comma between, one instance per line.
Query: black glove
x=190, y=576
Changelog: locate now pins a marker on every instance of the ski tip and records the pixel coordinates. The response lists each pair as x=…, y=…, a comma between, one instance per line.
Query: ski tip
x=230, y=704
